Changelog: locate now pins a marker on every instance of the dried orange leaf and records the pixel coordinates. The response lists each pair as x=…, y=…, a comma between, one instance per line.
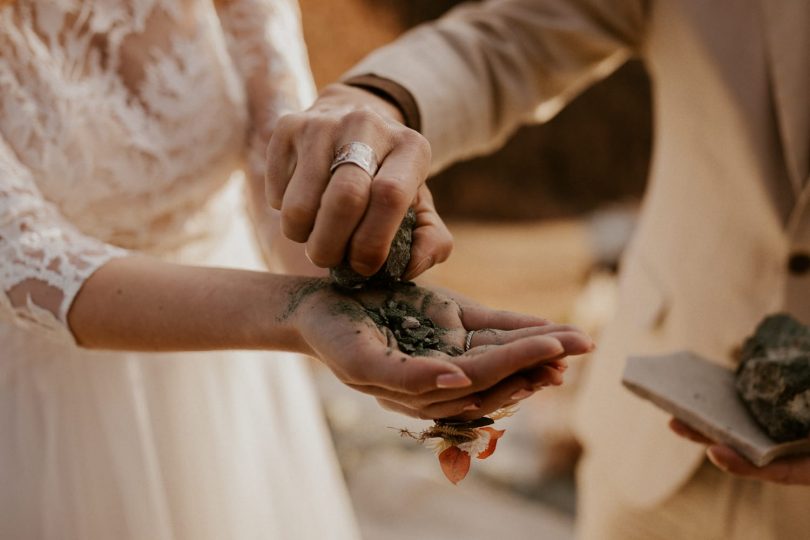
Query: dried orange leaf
x=494, y=435
x=455, y=464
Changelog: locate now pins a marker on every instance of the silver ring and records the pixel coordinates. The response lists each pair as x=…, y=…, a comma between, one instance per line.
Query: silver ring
x=468, y=341
x=356, y=153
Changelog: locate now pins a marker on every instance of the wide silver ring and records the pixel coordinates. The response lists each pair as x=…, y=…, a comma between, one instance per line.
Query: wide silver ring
x=468, y=341
x=356, y=153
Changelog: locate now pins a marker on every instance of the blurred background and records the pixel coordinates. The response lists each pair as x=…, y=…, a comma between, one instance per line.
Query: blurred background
x=539, y=227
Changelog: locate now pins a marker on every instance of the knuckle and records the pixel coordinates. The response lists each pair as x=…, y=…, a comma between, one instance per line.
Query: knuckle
x=297, y=219
x=416, y=141
x=284, y=124
x=289, y=123
x=350, y=195
x=391, y=192
x=408, y=136
x=370, y=254
x=317, y=126
x=362, y=117
x=321, y=258
x=424, y=197
x=444, y=247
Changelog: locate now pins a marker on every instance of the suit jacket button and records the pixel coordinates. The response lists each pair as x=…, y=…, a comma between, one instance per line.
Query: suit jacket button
x=799, y=263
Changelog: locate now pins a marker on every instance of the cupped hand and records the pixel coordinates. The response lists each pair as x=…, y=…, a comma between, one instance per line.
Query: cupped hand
x=347, y=214
x=511, y=355
x=791, y=471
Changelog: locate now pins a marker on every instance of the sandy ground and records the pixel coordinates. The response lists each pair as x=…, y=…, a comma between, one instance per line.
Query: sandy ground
x=397, y=487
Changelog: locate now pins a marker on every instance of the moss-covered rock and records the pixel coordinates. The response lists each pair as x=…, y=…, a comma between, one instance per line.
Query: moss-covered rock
x=773, y=378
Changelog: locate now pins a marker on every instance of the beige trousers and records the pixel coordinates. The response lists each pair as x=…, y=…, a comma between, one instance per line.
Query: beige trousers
x=712, y=505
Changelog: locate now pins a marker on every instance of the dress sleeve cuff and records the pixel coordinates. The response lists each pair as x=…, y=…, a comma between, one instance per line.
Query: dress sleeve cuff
x=391, y=91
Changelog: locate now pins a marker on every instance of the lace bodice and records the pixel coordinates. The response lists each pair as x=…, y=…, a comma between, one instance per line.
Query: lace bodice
x=120, y=121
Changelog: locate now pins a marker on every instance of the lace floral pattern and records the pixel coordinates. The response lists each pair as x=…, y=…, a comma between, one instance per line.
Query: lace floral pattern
x=120, y=122
x=275, y=68
x=44, y=259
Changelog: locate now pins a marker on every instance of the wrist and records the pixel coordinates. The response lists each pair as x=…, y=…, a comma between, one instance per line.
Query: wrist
x=283, y=327
x=392, y=92
x=343, y=96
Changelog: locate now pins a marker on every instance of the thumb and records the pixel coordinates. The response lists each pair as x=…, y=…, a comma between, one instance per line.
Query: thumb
x=432, y=241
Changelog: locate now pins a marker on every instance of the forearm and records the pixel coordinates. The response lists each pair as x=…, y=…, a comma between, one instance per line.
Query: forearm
x=143, y=304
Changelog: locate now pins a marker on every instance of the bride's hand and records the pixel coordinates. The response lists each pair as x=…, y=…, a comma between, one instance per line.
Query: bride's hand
x=510, y=356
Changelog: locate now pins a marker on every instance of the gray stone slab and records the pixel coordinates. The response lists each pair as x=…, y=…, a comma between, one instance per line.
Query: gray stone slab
x=702, y=395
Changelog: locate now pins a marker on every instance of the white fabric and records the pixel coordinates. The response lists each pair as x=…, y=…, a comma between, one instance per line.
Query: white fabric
x=121, y=123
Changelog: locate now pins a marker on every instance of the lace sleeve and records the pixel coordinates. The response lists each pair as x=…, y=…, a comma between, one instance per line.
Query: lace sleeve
x=43, y=259
x=266, y=42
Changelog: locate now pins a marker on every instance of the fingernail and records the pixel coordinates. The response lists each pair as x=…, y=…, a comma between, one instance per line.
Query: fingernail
x=453, y=380
x=711, y=453
x=423, y=265
x=471, y=407
x=557, y=347
x=521, y=394
x=362, y=268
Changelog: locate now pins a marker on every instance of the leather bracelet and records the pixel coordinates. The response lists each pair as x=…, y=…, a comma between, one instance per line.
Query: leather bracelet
x=392, y=92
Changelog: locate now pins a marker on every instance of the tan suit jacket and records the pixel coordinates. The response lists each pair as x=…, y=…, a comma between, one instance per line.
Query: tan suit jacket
x=727, y=204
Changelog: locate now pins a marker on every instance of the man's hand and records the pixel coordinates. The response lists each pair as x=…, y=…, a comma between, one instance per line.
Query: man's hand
x=511, y=355
x=795, y=471
x=349, y=214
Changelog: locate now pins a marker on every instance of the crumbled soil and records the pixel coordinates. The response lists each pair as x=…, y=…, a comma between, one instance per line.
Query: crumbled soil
x=409, y=329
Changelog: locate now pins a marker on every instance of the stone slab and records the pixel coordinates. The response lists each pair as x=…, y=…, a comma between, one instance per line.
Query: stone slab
x=702, y=395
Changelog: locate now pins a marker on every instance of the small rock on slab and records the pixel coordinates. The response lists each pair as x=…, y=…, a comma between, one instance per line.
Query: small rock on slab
x=773, y=378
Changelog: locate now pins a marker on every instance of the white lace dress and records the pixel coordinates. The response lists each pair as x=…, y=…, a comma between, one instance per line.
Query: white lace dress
x=121, y=125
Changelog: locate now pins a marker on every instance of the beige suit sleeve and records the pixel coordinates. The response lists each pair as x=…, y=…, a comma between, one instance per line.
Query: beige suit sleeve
x=485, y=68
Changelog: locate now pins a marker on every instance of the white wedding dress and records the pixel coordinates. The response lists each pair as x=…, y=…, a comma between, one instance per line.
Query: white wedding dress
x=122, y=123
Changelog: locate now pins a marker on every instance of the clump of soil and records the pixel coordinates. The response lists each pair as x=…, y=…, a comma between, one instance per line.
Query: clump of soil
x=398, y=258
x=409, y=329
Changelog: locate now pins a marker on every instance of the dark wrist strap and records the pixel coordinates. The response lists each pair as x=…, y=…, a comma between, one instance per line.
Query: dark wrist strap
x=392, y=92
